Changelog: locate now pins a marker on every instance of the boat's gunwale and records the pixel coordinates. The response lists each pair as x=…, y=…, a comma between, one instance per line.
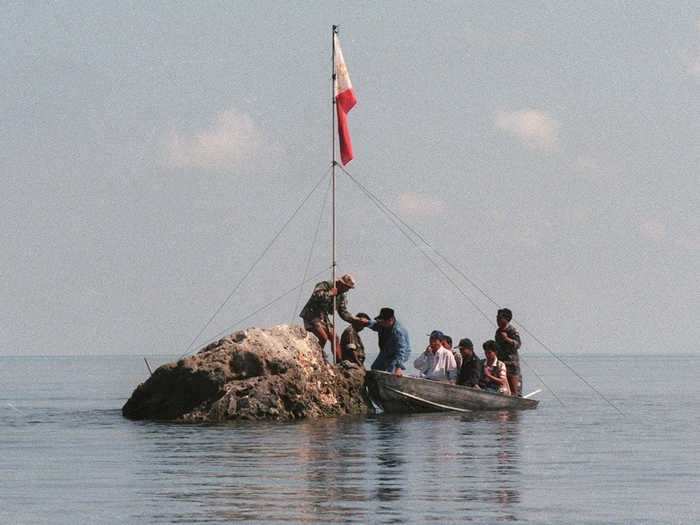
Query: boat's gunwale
x=446, y=384
x=490, y=400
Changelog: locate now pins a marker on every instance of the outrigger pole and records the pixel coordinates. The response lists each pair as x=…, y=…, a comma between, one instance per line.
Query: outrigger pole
x=334, y=31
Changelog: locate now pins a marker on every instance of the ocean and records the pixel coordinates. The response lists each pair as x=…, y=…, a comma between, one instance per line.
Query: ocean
x=68, y=456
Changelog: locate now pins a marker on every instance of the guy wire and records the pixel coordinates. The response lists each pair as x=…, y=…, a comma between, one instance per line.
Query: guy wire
x=252, y=267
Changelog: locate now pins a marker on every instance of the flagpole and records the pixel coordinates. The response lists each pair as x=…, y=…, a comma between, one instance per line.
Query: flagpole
x=334, y=30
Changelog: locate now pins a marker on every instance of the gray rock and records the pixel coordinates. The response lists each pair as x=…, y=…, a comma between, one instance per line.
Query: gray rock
x=275, y=373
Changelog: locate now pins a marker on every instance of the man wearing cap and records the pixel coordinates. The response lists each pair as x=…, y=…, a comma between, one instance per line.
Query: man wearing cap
x=470, y=369
x=318, y=311
x=495, y=374
x=507, y=344
x=393, y=342
x=437, y=362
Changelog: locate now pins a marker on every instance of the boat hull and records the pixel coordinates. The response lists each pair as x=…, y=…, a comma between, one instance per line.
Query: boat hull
x=403, y=394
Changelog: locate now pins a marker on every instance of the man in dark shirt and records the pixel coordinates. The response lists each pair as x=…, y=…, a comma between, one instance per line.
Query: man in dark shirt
x=470, y=371
x=351, y=347
x=507, y=345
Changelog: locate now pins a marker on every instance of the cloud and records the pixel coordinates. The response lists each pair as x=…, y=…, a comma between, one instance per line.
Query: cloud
x=421, y=205
x=232, y=138
x=534, y=128
x=653, y=230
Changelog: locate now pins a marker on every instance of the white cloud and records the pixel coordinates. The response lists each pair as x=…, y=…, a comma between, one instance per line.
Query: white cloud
x=233, y=137
x=535, y=128
x=421, y=205
x=653, y=230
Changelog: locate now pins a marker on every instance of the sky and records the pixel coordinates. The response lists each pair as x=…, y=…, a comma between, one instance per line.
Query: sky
x=150, y=153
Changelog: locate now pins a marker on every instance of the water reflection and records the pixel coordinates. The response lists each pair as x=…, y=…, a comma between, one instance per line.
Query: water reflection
x=388, y=440
x=492, y=456
x=387, y=469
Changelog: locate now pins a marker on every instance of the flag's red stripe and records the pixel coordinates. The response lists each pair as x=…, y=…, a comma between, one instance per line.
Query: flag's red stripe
x=344, y=102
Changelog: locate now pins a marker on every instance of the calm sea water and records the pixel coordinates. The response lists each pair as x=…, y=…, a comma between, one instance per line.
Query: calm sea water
x=68, y=456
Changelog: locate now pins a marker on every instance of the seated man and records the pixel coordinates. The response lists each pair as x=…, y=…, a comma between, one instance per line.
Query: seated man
x=470, y=370
x=436, y=363
x=447, y=343
x=351, y=347
x=495, y=375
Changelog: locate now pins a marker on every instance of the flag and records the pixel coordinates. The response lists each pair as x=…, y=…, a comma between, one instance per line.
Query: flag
x=344, y=102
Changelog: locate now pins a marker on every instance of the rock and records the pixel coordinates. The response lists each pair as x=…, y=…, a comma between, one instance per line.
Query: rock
x=275, y=373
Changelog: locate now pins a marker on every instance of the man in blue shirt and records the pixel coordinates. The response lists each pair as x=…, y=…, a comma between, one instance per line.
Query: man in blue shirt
x=394, y=345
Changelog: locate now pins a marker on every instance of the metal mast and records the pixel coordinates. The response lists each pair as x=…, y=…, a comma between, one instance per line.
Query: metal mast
x=334, y=31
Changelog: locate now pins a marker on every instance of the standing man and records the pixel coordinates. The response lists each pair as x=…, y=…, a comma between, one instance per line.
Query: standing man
x=470, y=371
x=507, y=345
x=318, y=311
x=394, y=345
x=351, y=347
x=437, y=362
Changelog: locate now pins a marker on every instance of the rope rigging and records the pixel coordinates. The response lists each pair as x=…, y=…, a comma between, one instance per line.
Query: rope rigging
x=264, y=307
x=255, y=263
x=396, y=219
x=311, y=250
x=418, y=241
x=398, y=222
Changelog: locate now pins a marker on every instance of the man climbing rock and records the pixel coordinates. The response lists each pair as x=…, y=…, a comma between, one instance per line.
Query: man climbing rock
x=318, y=311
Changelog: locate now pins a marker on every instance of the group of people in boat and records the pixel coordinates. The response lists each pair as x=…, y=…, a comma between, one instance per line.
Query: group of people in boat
x=499, y=371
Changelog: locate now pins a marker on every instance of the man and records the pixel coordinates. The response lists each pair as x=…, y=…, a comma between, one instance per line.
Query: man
x=394, y=345
x=470, y=370
x=437, y=362
x=318, y=311
x=507, y=343
x=447, y=343
x=495, y=374
x=351, y=347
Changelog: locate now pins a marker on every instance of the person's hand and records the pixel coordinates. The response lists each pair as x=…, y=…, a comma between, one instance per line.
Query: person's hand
x=362, y=322
x=334, y=291
x=398, y=372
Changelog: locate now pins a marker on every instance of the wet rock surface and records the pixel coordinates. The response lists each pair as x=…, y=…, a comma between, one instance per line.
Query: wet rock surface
x=274, y=373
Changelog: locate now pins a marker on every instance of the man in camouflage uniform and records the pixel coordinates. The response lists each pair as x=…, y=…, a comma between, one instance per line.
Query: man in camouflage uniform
x=318, y=311
x=351, y=347
x=507, y=345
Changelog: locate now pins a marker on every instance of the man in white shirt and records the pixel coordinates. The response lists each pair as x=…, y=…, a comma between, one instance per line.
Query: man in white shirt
x=436, y=363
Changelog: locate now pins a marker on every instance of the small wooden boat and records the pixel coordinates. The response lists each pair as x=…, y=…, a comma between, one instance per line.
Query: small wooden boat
x=404, y=394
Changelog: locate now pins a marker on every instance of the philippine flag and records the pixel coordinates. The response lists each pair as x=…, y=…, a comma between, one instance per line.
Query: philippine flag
x=344, y=102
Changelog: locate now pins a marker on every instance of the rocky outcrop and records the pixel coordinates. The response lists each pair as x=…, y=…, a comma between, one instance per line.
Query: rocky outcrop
x=275, y=373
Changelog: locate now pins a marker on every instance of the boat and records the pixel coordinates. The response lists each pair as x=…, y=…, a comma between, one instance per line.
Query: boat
x=404, y=394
